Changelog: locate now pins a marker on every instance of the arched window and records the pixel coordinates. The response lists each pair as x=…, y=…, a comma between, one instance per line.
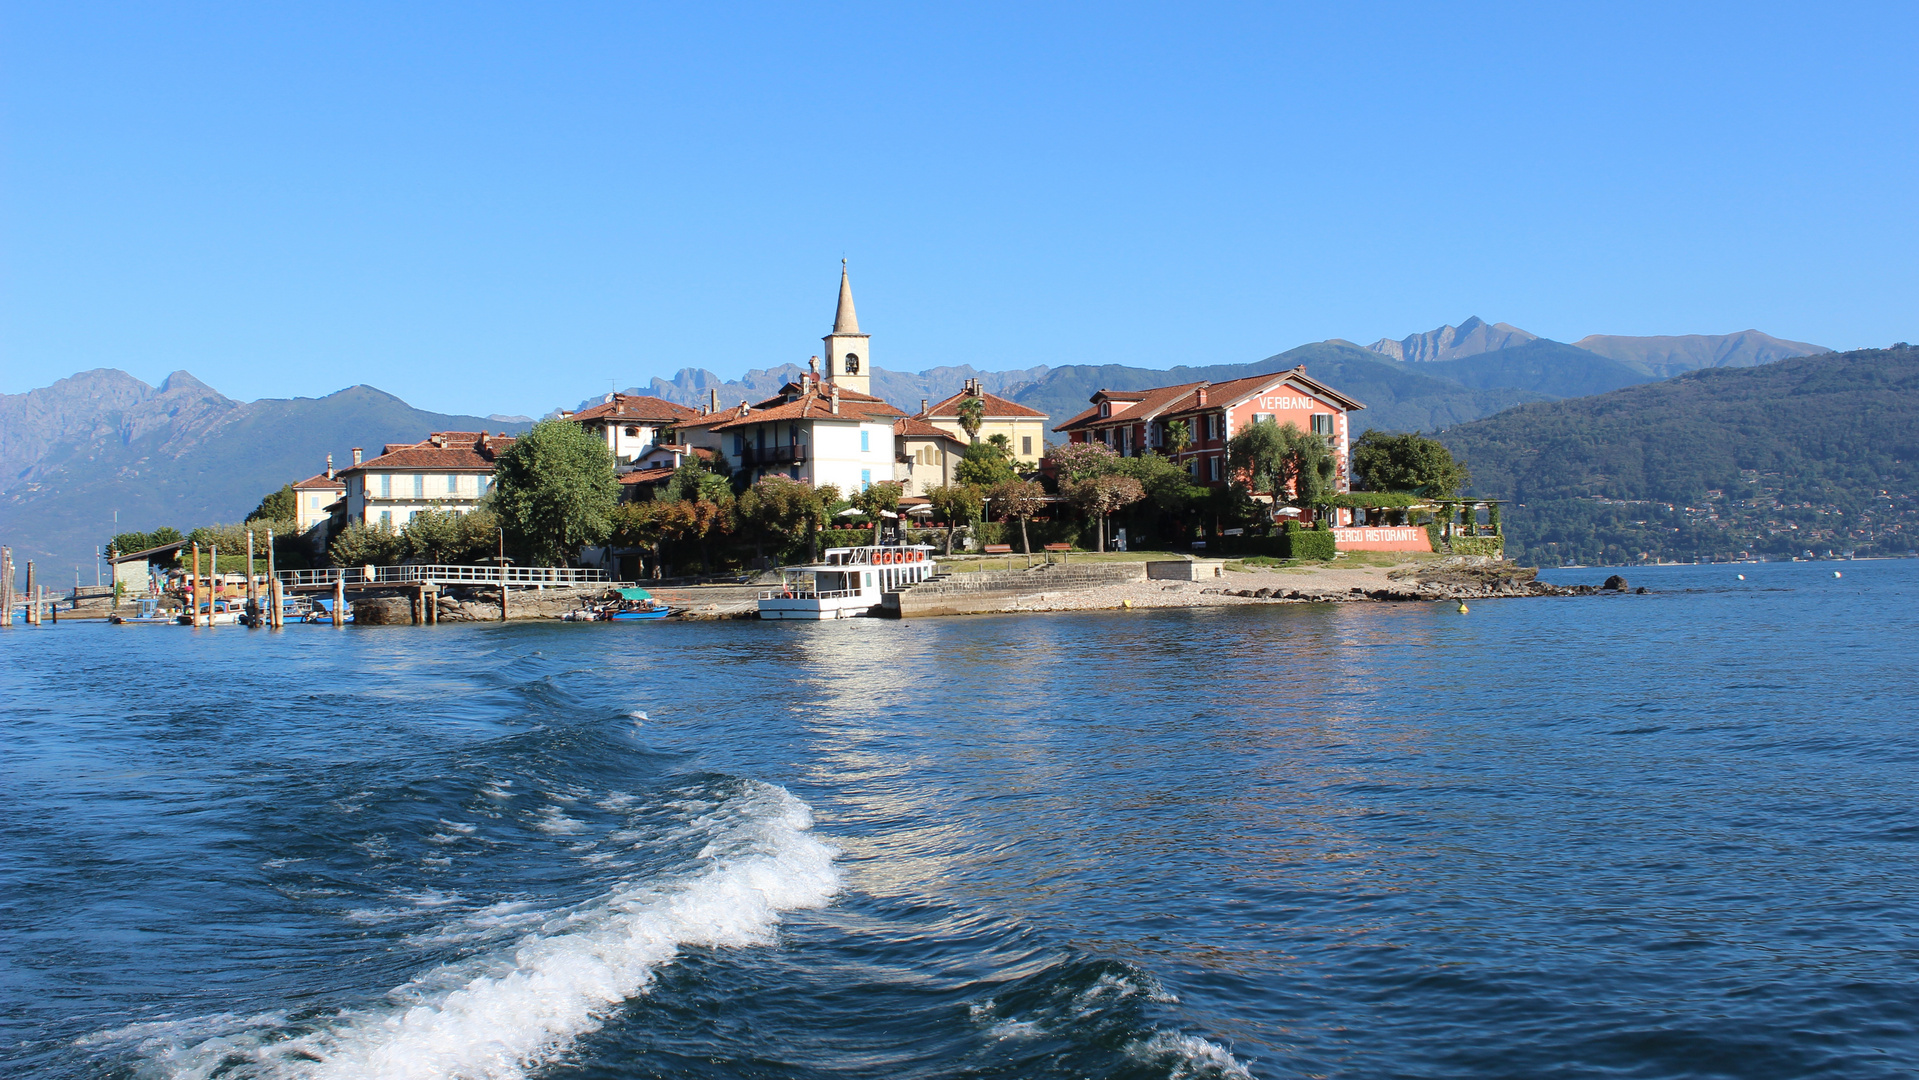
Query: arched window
x=852, y=363
x=632, y=433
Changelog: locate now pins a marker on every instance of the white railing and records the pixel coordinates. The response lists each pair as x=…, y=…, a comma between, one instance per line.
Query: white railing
x=878, y=555
x=442, y=575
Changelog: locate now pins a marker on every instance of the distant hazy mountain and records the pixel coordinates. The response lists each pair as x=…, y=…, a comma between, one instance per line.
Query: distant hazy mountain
x=695, y=386
x=1469, y=338
x=1665, y=357
x=1398, y=397
x=1540, y=366
x=181, y=454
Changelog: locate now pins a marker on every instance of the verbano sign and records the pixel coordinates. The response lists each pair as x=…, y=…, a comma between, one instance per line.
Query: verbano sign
x=1285, y=402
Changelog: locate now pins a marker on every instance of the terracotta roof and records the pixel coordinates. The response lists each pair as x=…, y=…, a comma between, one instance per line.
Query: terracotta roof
x=1146, y=403
x=914, y=427
x=646, y=476
x=319, y=480
x=815, y=406
x=635, y=407
x=1221, y=395
x=454, y=451
x=996, y=407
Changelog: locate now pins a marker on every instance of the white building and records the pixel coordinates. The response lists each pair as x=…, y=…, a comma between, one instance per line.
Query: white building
x=448, y=470
x=630, y=423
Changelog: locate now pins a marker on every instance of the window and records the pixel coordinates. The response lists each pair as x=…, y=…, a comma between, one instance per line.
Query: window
x=413, y=516
x=1323, y=424
x=632, y=433
x=1212, y=467
x=452, y=483
x=1267, y=418
x=1105, y=409
x=852, y=363
x=866, y=479
x=313, y=502
x=419, y=485
x=1026, y=445
x=386, y=485
x=866, y=441
x=739, y=444
x=386, y=519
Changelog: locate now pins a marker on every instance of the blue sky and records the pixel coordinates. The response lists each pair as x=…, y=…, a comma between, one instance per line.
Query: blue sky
x=507, y=208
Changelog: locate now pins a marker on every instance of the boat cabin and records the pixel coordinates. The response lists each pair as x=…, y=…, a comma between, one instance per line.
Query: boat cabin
x=848, y=582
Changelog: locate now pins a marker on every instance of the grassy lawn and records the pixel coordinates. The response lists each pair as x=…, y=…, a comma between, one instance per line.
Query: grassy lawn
x=1346, y=560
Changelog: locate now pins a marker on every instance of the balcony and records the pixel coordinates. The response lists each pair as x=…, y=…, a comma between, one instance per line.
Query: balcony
x=773, y=455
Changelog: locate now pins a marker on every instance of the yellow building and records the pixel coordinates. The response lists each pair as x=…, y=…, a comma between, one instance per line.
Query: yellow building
x=1024, y=428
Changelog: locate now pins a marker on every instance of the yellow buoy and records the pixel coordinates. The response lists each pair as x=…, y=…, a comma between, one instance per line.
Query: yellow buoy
x=1462, y=607
x=1126, y=603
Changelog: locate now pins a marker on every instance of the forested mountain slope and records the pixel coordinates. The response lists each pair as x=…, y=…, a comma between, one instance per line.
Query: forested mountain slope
x=181, y=454
x=1813, y=453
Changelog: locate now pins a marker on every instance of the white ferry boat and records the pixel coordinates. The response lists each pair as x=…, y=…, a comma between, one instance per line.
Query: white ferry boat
x=849, y=583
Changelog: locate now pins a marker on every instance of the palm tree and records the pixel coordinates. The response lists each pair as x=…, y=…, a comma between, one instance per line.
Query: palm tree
x=972, y=413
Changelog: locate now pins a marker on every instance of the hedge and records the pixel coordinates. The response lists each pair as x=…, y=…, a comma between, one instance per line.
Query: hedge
x=1309, y=544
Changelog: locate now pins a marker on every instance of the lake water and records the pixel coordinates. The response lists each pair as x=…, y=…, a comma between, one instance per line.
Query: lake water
x=1672, y=835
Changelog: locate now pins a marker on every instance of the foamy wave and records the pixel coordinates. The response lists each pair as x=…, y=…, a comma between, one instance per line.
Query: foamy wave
x=500, y=1015
x=1189, y=1056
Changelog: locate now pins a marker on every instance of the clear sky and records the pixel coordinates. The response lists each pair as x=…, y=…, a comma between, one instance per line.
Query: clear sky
x=507, y=208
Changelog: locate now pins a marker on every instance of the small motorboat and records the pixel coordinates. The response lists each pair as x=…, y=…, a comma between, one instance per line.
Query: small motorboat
x=148, y=614
x=632, y=606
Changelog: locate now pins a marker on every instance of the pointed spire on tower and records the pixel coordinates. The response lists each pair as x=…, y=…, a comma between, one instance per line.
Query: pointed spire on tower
x=844, y=320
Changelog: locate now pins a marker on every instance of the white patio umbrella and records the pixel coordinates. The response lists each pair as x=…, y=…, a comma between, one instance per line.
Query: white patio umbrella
x=921, y=511
x=851, y=511
x=888, y=514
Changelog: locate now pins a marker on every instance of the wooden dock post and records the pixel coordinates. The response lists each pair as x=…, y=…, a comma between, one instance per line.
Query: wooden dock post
x=500, y=567
x=277, y=619
x=416, y=605
x=6, y=587
x=33, y=598
x=253, y=592
x=339, y=598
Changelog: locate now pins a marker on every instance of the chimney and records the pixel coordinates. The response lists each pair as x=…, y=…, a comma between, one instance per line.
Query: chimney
x=356, y=457
x=329, y=466
x=836, y=399
x=813, y=365
x=713, y=403
x=743, y=409
x=922, y=406
x=437, y=439
x=1200, y=394
x=1301, y=369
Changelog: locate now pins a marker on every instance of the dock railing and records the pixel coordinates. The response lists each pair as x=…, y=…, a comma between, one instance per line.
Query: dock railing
x=367, y=576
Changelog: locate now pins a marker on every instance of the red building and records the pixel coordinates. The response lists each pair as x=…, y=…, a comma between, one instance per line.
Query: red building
x=1135, y=422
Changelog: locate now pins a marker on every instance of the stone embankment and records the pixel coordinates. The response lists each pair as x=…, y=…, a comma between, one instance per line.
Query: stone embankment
x=1007, y=590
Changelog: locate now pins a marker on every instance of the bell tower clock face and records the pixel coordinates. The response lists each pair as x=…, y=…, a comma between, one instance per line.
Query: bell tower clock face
x=852, y=363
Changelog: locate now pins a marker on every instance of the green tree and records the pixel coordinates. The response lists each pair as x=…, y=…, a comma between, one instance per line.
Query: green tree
x=280, y=505
x=972, y=413
x=984, y=464
x=1408, y=462
x=693, y=481
x=879, y=499
x=433, y=537
x=554, y=491
x=1179, y=435
x=780, y=509
x=360, y=544
x=1257, y=457
x=1100, y=496
x=955, y=504
x=1019, y=499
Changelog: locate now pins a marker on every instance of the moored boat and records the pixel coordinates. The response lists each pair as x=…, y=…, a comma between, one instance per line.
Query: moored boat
x=850, y=582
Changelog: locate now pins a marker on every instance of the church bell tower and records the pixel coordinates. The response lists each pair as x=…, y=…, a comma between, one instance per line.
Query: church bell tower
x=847, y=365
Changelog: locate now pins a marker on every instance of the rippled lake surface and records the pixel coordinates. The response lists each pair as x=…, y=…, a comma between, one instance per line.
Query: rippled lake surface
x=1670, y=835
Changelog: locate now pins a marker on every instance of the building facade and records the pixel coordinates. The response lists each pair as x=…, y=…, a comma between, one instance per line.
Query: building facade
x=630, y=423
x=1135, y=422
x=448, y=470
x=1024, y=428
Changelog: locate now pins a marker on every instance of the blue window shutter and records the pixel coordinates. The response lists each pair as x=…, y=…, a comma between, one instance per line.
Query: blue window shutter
x=866, y=441
x=866, y=479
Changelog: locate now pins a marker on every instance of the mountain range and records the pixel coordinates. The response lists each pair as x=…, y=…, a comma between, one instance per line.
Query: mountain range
x=102, y=444
x=181, y=454
x=1814, y=453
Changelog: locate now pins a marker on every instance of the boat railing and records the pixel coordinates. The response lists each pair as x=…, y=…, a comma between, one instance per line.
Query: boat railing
x=879, y=555
x=807, y=594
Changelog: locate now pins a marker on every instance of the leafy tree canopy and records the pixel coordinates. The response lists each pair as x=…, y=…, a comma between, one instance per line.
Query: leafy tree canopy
x=554, y=491
x=1408, y=462
x=279, y=505
x=1073, y=462
x=984, y=464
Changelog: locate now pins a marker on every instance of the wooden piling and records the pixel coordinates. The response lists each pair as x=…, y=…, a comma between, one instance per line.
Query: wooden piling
x=193, y=589
x=277, y=619
x=416, y=605
x=33, y=598
x=6, y=587
x=253, y=592
x=339, y=598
